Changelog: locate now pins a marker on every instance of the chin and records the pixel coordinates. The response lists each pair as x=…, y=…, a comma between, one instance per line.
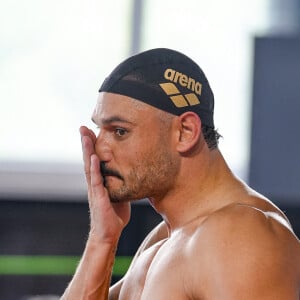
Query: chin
x=116, y=197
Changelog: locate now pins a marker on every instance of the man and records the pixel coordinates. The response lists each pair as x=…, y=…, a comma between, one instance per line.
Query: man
x=219, y=238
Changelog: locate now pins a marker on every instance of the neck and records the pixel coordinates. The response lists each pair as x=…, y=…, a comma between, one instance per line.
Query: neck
x=200, y=189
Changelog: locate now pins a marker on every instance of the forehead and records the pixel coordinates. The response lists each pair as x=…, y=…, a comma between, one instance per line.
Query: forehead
x=111, y=105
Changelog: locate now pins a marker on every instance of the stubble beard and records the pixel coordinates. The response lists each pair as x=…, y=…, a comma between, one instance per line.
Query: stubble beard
x=151, y=177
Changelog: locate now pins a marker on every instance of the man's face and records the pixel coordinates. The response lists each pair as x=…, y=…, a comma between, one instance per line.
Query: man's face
x=134, y=146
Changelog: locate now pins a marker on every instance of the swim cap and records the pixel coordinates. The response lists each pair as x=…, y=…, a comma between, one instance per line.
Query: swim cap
x=165, y=79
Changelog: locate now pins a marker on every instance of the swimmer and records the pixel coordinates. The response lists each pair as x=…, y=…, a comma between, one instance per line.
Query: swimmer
x=219, y=239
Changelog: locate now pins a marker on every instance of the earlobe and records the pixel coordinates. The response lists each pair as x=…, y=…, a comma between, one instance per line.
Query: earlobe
x=190, y=132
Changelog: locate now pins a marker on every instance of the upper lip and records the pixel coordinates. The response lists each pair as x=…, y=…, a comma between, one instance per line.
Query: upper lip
x=107, y=172
x=110, y=173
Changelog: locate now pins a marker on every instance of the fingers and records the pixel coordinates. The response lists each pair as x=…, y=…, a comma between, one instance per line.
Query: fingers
x=88, y=140
x=107, y=219
x=84, y=131
x=96, y=177
x=87, y=152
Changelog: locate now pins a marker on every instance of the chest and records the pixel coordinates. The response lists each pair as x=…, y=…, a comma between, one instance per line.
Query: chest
x=159, y=273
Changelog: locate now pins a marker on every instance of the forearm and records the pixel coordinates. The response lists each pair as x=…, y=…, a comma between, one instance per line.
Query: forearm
x=93, y=274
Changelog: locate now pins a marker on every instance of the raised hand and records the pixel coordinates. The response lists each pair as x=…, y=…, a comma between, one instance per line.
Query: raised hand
x=107, y=219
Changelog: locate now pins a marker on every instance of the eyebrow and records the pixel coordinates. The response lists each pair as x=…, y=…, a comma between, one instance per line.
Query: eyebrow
x=112, y=120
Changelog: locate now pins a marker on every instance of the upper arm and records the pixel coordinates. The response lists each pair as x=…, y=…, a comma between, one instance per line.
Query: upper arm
x=244, y=255
x=157, y=234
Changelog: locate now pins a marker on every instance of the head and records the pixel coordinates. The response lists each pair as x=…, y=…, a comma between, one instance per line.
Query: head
x=159, y=95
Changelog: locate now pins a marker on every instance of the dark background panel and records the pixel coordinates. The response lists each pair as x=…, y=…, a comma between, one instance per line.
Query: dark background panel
x=275, y=147
x=61, y=228
x=43, y=228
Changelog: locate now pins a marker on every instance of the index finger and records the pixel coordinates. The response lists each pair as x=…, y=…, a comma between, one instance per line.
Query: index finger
x=84, y=131
x=88, y=140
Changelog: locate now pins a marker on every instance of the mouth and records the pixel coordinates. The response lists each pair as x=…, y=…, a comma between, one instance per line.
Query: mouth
x=105, y=172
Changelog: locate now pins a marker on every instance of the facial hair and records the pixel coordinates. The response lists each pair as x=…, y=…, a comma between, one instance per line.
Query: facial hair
x=151, y=176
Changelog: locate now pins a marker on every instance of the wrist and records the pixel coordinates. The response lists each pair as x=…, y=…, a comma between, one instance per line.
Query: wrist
x=95, y=241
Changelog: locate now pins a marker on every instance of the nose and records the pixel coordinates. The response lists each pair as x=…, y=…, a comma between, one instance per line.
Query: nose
x=103, y=148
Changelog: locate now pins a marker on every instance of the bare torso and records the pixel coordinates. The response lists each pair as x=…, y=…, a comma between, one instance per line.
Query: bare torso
x=159, y=271
x=167, y=269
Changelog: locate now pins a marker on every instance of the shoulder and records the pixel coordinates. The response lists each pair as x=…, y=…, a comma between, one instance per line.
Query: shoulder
x=247, y=231
x=239, y=247
x=237, y=227
x=248, y=221
x=157, y=234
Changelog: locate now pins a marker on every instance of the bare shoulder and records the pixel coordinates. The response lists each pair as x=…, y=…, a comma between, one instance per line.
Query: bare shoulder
x=244, y=250
x=260, y=218
x=245, y=227
x=157, y=234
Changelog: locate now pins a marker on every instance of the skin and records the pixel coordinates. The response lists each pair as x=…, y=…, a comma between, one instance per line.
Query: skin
x=219, y=238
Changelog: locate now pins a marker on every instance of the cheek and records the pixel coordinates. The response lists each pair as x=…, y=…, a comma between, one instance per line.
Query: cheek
x=135, y=152
x=125, y=159
x=138, y=157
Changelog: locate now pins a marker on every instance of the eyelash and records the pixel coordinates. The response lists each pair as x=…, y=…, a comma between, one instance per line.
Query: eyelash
x=120, y=132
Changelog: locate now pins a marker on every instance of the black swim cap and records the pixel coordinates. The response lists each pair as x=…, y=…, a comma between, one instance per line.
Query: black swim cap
x=165, y=79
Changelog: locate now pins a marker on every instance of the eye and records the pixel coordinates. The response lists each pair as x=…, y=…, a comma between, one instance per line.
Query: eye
x=120, y=132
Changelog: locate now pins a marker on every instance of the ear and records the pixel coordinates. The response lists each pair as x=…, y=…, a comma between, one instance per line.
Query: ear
x=189, y=131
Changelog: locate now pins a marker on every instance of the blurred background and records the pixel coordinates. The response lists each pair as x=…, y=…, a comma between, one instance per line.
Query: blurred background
x=54, y=56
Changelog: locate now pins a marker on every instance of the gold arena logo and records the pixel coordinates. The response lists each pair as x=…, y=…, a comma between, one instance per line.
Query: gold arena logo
x=173, y=92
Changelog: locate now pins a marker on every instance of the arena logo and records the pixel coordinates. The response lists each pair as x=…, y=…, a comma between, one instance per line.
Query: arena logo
x=183, y=80
x=179, y=99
